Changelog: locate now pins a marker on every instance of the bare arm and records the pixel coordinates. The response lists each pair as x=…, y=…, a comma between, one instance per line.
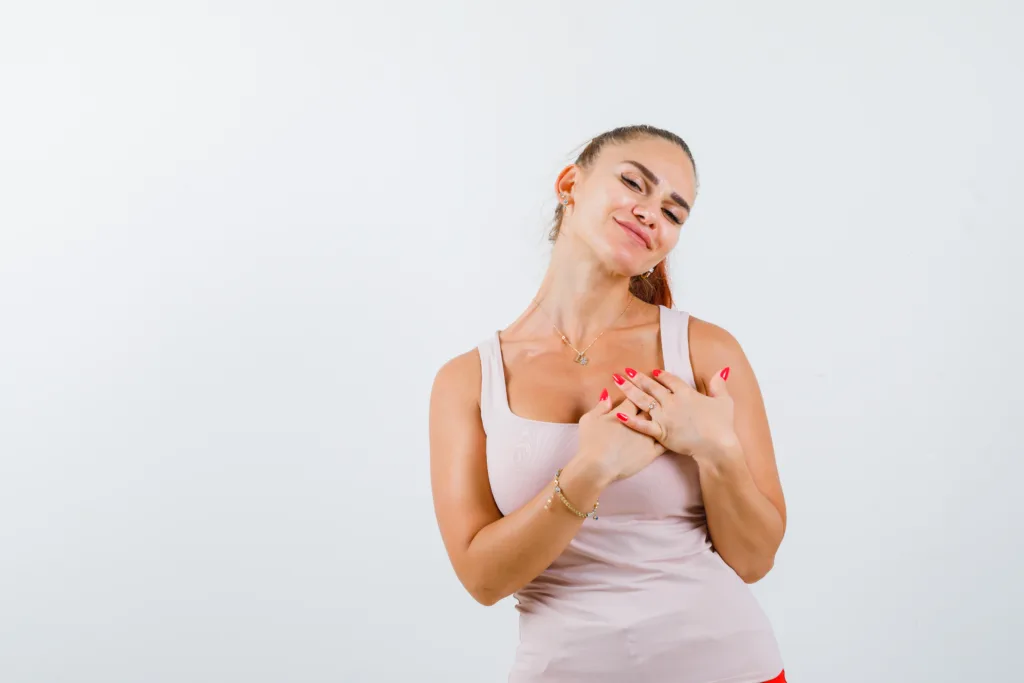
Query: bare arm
x=493, y=556
x=743, y=498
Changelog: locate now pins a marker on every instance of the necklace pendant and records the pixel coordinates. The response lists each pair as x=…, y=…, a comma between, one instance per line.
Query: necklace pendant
x=581, y=359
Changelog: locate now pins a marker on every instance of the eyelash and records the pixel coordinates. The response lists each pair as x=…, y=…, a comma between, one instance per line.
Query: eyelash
x=637, y=187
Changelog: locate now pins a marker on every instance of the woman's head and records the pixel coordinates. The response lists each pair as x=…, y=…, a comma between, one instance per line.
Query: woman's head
x=626, y=198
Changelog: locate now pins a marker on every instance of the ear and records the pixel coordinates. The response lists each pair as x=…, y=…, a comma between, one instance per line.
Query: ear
x=566, y=180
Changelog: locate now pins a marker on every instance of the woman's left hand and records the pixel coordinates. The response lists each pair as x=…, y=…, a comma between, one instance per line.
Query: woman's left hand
x=681, y=418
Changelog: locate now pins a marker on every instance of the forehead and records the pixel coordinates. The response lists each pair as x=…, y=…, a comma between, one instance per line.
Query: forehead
x=664, y=158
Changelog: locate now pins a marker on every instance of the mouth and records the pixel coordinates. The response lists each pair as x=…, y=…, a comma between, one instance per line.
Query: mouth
x=635, y=232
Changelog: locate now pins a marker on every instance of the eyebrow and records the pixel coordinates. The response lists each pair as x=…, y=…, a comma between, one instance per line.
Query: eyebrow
x=657, y=181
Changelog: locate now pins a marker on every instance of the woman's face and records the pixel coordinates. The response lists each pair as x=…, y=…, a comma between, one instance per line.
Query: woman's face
x=629, y=206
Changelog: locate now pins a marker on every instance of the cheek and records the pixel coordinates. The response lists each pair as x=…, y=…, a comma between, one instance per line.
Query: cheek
x=602, y=202
x=619, y=197
x=670, y=238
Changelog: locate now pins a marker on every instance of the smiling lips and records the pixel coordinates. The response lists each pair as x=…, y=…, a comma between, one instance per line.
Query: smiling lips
x=634, y=230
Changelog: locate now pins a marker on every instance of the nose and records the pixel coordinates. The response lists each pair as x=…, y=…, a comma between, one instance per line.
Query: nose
x=646, y=215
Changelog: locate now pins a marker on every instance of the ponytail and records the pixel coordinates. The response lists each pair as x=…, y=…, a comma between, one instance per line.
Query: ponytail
x=654, y=288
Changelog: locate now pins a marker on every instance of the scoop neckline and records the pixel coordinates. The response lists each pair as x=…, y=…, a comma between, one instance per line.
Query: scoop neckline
x=504, y=384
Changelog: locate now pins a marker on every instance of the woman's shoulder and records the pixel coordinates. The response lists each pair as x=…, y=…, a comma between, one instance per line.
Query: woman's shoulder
x=710, y=335
x=712, y=347
x=458, y=379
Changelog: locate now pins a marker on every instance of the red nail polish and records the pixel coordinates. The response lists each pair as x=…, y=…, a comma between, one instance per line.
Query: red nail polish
x=622, y=417
x=604, y=394
x=655, y=373
x=619, y=379
x=725, y=373
x=631, y=372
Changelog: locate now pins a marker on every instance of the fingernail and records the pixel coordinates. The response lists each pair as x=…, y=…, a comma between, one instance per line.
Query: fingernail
x=622, y=417
x=619, y=379
x=725, y=373
x=655, y=373
x=631, y=372
x=604, y=394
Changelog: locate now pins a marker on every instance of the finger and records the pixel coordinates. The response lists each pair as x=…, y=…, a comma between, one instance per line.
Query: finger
x=718, y=385
x=660, y=392
x=634, y=393
x=677, y=384
x=603, y=405
x=639, y=424
x=626, y=406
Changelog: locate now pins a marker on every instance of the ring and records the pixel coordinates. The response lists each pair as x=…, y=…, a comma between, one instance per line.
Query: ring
x=651, y=407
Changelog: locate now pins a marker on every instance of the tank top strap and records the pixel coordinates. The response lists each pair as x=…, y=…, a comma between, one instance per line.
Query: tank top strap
x=492, y=380
x=675, y=343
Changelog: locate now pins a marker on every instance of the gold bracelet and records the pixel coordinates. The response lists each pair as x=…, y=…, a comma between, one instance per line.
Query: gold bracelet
x=558, y=490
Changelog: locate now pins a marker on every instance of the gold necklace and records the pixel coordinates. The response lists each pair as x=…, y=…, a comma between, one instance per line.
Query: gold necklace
x=581, y=357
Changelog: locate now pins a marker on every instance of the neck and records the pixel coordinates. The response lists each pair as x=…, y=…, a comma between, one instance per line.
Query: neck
x=581, y=297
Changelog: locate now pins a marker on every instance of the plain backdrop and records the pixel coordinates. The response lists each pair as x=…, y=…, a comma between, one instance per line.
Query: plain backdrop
x=237, y=240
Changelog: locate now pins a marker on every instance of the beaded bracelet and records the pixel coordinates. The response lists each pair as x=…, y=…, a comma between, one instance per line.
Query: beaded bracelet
x=558, y=490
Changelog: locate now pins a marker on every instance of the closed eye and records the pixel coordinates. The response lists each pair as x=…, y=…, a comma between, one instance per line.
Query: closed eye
x=636, y=186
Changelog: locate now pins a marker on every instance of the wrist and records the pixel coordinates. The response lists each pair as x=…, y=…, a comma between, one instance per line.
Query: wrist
x=588, y=472
x=722, y=454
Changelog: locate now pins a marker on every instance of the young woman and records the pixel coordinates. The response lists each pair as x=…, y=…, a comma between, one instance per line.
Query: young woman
x=606, y=458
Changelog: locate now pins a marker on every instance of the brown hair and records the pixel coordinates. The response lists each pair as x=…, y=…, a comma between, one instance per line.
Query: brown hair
x=654, y=289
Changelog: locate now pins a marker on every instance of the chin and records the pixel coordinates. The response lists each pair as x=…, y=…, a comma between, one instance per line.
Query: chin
x=621, y=255
x=620, y=261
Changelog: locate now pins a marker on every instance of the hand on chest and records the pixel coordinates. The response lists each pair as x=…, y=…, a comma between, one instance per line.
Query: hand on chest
x=552, y=388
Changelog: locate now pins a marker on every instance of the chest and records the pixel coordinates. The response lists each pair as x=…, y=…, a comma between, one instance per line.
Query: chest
x=537, y=433
x=548, y=386
x=523, y=456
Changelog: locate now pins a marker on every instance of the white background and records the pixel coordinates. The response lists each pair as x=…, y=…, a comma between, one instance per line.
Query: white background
x=237, y=240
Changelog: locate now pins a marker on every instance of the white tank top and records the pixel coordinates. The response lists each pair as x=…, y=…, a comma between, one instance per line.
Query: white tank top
x=639, y=595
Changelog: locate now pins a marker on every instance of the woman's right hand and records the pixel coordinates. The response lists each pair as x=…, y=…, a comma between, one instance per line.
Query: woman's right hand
x=609, y=446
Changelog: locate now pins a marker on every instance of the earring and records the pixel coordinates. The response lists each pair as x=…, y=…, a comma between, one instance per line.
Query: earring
x=647, y=274
x=565, y=199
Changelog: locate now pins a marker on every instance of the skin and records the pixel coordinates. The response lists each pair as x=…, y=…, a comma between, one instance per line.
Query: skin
x=722, y=425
